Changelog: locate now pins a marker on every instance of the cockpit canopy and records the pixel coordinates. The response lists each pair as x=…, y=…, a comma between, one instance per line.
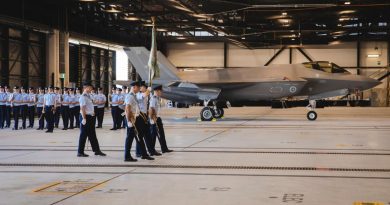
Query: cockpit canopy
x=325, y=66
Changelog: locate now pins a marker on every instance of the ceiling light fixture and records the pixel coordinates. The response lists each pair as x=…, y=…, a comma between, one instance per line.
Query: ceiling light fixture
x=190, y=43
x=131, y=18
x=347, y=3
x=373, y=56
x=181, y=38
x=284, y=13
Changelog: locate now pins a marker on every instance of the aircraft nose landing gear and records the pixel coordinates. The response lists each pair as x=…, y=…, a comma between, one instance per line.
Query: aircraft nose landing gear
x=311, y=115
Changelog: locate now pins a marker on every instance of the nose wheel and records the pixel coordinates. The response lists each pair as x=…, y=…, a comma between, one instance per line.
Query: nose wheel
x=311, y=115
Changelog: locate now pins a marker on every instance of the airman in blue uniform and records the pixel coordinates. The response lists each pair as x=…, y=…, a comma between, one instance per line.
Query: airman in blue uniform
x=57, y=112
x=8, y=108
x=32, y=100
x=50, y=104
x=39, y=101
x=3, y=101
x=16, y=101
x=87, y=129
x=100, y=100
x=24, y=106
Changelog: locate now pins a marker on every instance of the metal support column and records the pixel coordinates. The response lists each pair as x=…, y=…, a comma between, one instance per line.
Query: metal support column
x=4, y=70
x=358, y=57
x=388, y=77
x=225, y=54
x=24, y=58
x=290, y=56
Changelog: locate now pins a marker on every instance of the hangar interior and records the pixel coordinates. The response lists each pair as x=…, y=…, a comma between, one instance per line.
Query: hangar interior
x=255, y=155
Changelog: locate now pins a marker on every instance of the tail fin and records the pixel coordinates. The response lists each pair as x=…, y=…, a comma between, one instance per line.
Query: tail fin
x=139, y=57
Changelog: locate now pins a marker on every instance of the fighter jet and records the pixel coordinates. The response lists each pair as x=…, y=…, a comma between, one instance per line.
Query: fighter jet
x=310, y=80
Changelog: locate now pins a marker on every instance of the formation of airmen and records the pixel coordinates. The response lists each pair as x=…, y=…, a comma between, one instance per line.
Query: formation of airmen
x=133, y=108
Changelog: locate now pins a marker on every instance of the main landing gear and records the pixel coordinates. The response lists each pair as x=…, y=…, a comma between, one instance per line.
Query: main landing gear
x=210, y=113
x=311, y=115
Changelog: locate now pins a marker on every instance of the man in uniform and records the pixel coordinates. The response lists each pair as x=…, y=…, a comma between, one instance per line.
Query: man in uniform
x=50, y=104
x=24, y=106
x=100, y=100
x=3, y=101
x=16, y=101
x=57, y=112
x=72, y=105
x=32, y=99
x=143, y=99
x=40, y=107
x=65, y=111
x=76, y=113
x=121, y=108
x=87, y=129
x=132, y=117
x=114, y=109
x=8, y=108
x=155, y=120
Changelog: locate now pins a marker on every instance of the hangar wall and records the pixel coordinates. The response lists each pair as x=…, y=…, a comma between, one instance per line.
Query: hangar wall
x=345, y=54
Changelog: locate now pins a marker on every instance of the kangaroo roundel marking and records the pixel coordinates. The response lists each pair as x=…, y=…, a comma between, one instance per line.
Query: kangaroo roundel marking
x=293, y=89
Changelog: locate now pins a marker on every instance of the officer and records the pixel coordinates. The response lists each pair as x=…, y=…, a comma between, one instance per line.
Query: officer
x=114, y=108
x=125, y=91
x=3, y=101
x=58, y=106
x=72, y=105
x=32, y=99
x=8, y=107
x=132, y=116
x=16, y=101
x=87, y=129
x=100, y=100
x=65, y=109
x=121, y=108
x=24, y=106
x=143, y=100
x=157, y=129
x=50, y=104
x=76, y=113
x=39, y=102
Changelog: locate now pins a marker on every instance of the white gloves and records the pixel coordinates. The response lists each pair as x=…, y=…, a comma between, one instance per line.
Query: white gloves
x=129, y=124
x=84, y=122
x=151, y=122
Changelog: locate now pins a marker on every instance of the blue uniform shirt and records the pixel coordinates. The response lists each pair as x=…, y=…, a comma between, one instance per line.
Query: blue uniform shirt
x=132, y=101
x=50, y=99
x=114, y=99
x=86, y=100
x=72, y=99
x=25, y=98
x=155, y=104
x=40, y=98
x=66, y=99
x=9, y=96
x=100, y=97
x=77, y=99
x=17, y=97
x=31, y=98
x=3, y=97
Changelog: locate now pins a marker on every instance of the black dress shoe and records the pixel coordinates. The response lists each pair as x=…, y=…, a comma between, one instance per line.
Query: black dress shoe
x=113, y=129
x=147, y=158
x=130, y=160
x=82, y=155
x=38, y=128
x=64, y=128
x=99, y=127
x=167, y=151
x=100, y=154
x=49, y=131
x=156, y=154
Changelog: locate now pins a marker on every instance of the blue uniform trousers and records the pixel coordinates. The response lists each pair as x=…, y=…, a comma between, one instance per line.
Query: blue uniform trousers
x=49, y=115
x=88, y=131
x=16, y=113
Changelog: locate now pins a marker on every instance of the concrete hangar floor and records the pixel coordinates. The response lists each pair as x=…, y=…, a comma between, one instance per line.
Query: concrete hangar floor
x=253, y=156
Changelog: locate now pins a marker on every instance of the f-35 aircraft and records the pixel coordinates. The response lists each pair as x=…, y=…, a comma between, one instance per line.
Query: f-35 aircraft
x=311, y=80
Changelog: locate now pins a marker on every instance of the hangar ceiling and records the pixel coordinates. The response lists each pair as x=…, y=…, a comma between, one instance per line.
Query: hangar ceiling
x=246, y=23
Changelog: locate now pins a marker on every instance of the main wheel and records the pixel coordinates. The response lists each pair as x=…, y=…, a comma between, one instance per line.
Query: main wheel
x=206, y=114
x=218, y=113
x=311, y=115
